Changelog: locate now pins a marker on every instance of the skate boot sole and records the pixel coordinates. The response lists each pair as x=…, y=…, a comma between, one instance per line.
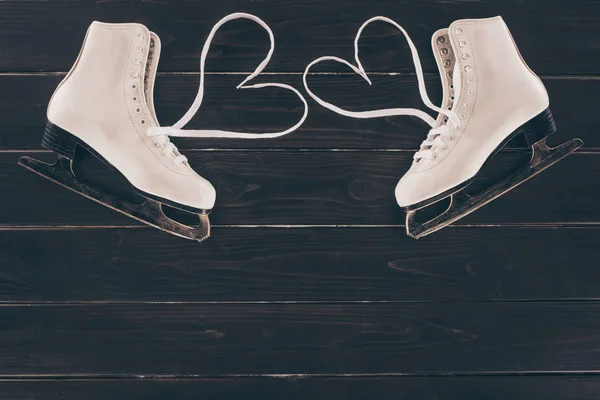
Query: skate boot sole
x=461, y=204
x=150, y=212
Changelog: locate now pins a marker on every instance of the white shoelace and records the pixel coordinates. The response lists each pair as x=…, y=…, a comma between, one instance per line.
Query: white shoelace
x=435, y=137
x=163, y=133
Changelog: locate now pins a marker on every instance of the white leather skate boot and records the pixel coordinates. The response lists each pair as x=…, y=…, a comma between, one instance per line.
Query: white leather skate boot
x=105, y=106
x=489, y=96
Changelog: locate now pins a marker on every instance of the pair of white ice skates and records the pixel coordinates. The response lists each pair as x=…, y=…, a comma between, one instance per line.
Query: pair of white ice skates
x=105, y=107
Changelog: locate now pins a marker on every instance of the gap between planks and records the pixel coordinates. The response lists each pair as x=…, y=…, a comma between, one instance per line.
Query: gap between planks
x=552, y=225
x=241, y=73
x=587, y=151
x=159, y=377
x=123, y=303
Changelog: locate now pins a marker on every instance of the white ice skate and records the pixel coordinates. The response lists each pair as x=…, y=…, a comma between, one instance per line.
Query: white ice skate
x=489, y=97
x=105, y=107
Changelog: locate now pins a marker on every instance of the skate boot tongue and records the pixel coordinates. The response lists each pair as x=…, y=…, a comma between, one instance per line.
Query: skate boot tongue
x=150, y=72
x=456, y=82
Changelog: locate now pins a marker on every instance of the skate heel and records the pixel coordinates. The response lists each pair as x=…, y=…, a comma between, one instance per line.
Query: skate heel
x=59, y=141
x=539, y=127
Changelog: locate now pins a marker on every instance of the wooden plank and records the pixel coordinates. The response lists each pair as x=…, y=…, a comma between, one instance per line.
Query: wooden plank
x=290, y=188
x=39, y=35
x=311, y=264
x=350, y=388
x=24, y=116
x=217, y=339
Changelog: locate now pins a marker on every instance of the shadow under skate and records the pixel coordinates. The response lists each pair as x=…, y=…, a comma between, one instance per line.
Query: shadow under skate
x=462, y=204
x=149, y=212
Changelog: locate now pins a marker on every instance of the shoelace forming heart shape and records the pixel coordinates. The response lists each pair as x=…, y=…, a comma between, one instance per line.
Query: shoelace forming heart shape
x=359, y=69
x=177, y=128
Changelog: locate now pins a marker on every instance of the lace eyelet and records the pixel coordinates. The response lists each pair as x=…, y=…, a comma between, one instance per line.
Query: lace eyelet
x=134, y=98
x=138, y=49
x=444, y=51
x=441, y=40
x=435, y=156
x=156, y=144
x=135, y=74
x=450, y=138
x=143, y=121
x=138, y=110
x=134, y=86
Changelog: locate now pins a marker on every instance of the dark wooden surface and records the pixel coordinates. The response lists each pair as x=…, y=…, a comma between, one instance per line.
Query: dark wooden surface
x=557, y=36
x=344, y=188
x=308, y=264
x=308, y=287
x=369, y=338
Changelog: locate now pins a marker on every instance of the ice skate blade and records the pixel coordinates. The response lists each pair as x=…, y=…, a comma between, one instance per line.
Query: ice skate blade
x=150, y=212
x=462, y=204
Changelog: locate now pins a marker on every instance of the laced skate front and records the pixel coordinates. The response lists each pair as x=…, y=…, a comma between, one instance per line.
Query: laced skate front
x=162, y=133
x=437, y=136
x=169, y=149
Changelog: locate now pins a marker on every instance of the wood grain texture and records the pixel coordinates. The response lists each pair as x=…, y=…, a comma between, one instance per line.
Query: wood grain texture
x=351, y=388
x=39, y=35
x=364, y=338
x=291, y=188
x=311, y=264
x=24, y=114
